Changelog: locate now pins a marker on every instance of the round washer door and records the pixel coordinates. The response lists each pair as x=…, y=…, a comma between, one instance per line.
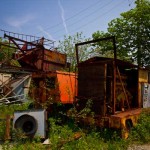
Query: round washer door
x=27, y=124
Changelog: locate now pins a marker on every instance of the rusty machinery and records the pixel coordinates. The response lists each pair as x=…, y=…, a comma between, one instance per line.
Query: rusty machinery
x=113, y=85
x=50, y=83
x=39, y=57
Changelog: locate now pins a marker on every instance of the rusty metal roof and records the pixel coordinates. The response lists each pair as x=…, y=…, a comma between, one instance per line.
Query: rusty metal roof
x=104, y=60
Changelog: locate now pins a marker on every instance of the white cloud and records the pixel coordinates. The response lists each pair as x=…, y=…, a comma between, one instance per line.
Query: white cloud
x=45, y=32
x=63, y=17
x=18, y=22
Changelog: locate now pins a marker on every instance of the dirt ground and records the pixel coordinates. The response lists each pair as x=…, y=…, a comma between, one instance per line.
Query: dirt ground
x=133, y=147
x=140, y=147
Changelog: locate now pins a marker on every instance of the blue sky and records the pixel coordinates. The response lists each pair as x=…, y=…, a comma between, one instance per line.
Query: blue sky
x=55, y=18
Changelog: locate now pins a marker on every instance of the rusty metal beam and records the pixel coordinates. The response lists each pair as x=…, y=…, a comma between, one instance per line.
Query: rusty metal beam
x=8, y=127
x=123, y=88
x=12, y=90
x=77, y=54
x=7, y=45
x=94, y=41
x=97, y=40
x=114, y=87
x=10, y=37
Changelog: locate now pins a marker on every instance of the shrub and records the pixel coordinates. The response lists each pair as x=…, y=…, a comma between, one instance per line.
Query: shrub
x=2, y=129
x=9, y=110
x=91, y=141
x=141, y=132
x=59, y=134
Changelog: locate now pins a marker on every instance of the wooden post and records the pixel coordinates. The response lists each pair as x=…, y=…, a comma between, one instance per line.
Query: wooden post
x=114, y=87
x=124, y=91
x=7, y=130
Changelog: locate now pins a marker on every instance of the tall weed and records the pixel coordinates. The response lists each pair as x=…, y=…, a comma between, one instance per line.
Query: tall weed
x=9, y=110
x=141, y=132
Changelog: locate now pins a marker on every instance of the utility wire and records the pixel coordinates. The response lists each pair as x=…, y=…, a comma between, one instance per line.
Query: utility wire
x=60, y=23
x=95, y=19
x=130, y=2
x=83, y=18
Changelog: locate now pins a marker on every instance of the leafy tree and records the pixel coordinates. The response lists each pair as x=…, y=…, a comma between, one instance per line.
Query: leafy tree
x=132, y=32
x=2, y=52
x=5, y=51
x=68, y=47
x=103, y=48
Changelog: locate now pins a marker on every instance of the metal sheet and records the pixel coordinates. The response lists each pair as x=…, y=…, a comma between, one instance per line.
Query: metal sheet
x=146, y=95
x=91, y=86
x=45, y=60
x=58, y=86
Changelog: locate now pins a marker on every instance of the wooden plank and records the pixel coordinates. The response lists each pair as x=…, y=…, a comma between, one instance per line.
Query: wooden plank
x=124, y=91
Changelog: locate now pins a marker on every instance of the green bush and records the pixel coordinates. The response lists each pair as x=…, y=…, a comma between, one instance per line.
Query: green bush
x=2, y=129
x=90, y=141
x=118, y=145
x=28, y=145
x=9, y=110
x=59, y=134
x=141, y=132
x=62, y=135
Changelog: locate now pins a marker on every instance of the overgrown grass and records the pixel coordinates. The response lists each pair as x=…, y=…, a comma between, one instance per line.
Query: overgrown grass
x=69, y=136
x=141, y=132
x=9, y=110
x=64, y=137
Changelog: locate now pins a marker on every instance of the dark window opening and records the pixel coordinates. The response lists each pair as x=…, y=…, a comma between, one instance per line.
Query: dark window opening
x=50, y=82
x=36, y=82
x=148, y=77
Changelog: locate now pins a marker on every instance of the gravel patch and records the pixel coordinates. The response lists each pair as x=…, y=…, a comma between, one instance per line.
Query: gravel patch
x=139, y=147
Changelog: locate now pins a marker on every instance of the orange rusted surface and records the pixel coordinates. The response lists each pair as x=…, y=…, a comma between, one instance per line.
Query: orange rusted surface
x=52, y=87
x=127, y=113
x=45, y=60
x=125, y=120
x=119, y=119
x=66, y=86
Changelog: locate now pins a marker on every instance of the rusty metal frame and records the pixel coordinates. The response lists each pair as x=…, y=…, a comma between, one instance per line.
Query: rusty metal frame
x=123, y=88
x=113, y=40
x=114, y=88
x=29, y=47
x=14, y=39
